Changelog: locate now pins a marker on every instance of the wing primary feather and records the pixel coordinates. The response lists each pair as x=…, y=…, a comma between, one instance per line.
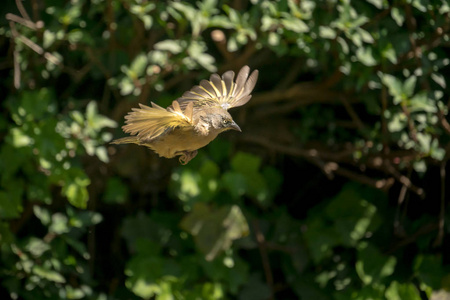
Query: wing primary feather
x=228, y=91
x=192, y=95
x=241, y=78
x=224, y=89
x=241, y=101
x=200, y=91
x=216, y=83
x=227, y=78
x=207, y=87
x=251, y=82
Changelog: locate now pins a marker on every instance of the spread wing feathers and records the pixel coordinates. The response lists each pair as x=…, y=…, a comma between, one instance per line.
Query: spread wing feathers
x=150, y=122
x=222, y=91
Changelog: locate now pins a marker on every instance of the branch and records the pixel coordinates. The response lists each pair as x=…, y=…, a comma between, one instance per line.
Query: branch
x=264, y=256
x=317, y=157
x=220, y=40
x=411, y=239
x=404, y=180
x=440, y=236
x=22, y=10
x=24, y=22
x=304, y=92
x=33, y=46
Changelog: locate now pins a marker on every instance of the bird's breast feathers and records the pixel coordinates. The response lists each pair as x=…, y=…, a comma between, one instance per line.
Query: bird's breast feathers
x=181, y=139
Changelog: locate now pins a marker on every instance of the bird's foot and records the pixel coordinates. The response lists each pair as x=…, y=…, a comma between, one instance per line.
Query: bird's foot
x=186, y=156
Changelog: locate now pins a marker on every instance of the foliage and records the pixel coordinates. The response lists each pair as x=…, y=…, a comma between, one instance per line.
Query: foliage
x=336, y=189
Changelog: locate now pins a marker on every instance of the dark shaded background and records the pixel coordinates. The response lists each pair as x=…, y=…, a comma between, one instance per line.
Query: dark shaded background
x=335, y=189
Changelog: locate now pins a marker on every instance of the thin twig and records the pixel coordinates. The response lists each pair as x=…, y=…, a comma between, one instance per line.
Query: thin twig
x=401, y=199
x=403, y=179
x=440, y=236
x=219, y=38
x=304, y=92
x=384, y=130
x=412, y=129
x=24, y=22
x=411, y=239
x=291, y=75
x=33, y=46
x=264, y=256
x=352, y=113
x=22, y=10
x=17, y=73
x=35, y=9
x=317, y=157
x=443, y=120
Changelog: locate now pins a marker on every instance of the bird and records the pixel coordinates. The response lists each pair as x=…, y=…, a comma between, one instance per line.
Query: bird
x=193, y=120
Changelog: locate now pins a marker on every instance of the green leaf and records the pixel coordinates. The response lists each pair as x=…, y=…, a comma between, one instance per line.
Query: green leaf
x=424, y=140
x=215, y=229
x=365, y=36
x=20, y=139
x=365, y=56
x=377, y=3
x=294, y=24
x=390, y=54
x=59, y=224
x=6, y=236
x=401, y=291
x=353, y=215
x=394, y=86
x=116, y=192
x=409, y=86
x=231, y=269
x=422, y=103
x=398, y=16
x=10, y=206
x=397, y=122
x=245, y=163
x=429, y=270
x=173, y=46
x=138, y=66
x=42, y=214
x=437, y=152
x=255, y=288
x=48, y=274
x=439, y=79
x=235, y=183
x=76, y=191
x=36, y=246
x=327, y=32
x=372, y=265
x=102, y=154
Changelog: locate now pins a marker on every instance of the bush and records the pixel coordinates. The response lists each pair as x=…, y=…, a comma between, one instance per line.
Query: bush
x=336, y=189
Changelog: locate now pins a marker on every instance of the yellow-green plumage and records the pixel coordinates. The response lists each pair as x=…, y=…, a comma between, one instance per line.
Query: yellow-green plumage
x=193, y=120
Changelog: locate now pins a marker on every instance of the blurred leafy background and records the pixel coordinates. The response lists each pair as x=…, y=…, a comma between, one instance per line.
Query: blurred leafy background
x=336, y=189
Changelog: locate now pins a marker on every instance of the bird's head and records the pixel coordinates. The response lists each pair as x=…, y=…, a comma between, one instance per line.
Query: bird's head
x=220, y=120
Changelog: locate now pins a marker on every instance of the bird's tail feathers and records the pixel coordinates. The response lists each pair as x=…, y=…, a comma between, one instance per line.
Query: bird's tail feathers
x=127, y=140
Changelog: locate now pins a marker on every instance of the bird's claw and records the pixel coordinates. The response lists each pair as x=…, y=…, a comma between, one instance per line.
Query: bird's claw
x=186, y=156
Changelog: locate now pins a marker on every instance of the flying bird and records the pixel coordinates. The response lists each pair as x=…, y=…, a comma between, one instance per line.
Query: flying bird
x=193, y=120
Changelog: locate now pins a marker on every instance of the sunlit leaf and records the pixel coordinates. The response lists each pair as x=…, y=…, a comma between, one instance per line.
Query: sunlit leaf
x=48, y=274
x=372, y=265
x=215, y=229
x=400, y=291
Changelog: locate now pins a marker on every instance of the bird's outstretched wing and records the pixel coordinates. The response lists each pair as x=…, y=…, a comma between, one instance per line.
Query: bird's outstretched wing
x=221, y=91
x=148, y=123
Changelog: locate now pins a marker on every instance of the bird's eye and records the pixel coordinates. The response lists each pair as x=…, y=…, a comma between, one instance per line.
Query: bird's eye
x=226, y=121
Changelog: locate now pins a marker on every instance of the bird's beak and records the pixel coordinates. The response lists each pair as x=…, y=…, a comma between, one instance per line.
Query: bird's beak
x=235, y=126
